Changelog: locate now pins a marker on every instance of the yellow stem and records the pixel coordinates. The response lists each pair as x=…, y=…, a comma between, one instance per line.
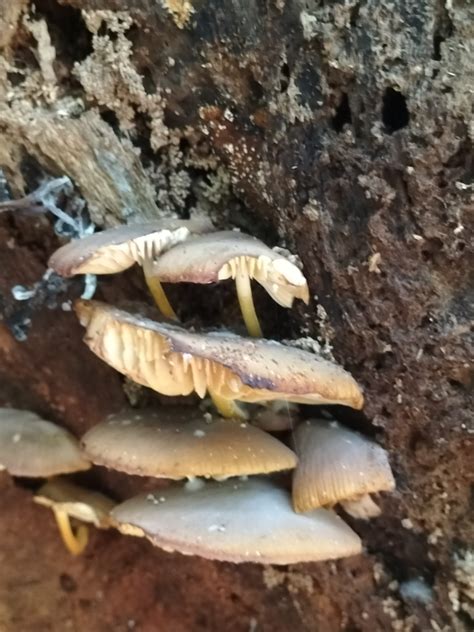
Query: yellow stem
x=227, y=407
x=244, y=293
x=74, y=542
x=160, y=297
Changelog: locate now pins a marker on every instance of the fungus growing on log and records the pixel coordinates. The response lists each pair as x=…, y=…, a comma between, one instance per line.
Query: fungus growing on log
x=233, y=255
x=337, y=465
x=34, y=448
x=68, y=500
x=179, y=442
x=173, y=361
x=236, y=521
x=114, y=250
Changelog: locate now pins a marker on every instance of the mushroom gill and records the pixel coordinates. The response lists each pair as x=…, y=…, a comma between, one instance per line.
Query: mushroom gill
x=236, y=521
x=234, y=255
x=116, y=249
x=173, y=361
x=68, y=500
x=179, y=442
x=337, y=465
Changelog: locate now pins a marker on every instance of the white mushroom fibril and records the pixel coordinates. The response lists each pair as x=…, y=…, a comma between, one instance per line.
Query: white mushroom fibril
x=194, y=484
x=238, y=521
x=178, y=442
x=337, y=465
x=277, y=416
x=230, y=367
x=231, y=255
x=33, y=447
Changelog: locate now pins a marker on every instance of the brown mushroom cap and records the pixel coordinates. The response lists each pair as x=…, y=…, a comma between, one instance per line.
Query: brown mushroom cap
x=236, y=521
x=219, y=256
x=117, y=249
x=179, y=442
x=336, y=464
x=78, y=502
x=33, y=447
x=173, y=361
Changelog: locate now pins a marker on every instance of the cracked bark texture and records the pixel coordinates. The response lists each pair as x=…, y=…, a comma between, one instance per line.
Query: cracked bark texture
x=341, y=130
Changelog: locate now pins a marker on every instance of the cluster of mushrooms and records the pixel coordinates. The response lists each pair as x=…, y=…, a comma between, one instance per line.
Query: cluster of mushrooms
x=232, y=505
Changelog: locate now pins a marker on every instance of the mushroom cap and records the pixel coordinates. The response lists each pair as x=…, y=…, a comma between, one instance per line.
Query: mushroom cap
x=33, y=447
x=117, y=249
x=78, y=502
x=173, y=361
x=236, y=521
x=179, y=442
x=336, y=464
x=222, y=255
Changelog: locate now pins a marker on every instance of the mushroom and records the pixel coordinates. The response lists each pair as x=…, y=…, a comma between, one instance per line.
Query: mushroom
x=236, y=521
x=173, y=361
x=117, y=249
x=337, y=465
x=179, y=442
x=35, y=448
x=68, y=500
x=234, y=255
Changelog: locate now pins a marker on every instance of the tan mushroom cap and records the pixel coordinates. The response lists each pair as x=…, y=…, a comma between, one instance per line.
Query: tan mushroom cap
x=117, y=249
x=221, y=255
x=336, y=464
x=180, y=442
x=78, y=502
x=173, y=361
x=33, y=447
x=237, y=521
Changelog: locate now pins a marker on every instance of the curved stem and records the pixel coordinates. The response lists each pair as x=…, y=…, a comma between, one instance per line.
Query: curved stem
x=227, y=407
x=160, y=297
x=74, y=542
x=244, y=293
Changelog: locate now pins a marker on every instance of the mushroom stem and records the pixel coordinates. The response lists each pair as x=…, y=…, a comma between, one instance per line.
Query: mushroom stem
x=244, y=293
x=227, y=407
x=362, y=507
x=74, y=542
x=160, y=297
